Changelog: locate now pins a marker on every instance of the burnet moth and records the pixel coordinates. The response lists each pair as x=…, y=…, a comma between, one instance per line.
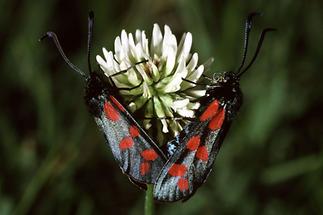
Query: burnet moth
x=136, y=153
x=184, y=164
x=199, y=142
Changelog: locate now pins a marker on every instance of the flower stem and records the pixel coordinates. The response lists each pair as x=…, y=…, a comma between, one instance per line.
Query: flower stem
x=149, y=200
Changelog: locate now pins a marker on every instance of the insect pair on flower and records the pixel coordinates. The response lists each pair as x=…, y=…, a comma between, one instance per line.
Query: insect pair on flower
x=161, y=83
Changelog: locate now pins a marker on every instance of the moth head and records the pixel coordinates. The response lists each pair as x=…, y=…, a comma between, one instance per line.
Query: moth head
x=227, y=81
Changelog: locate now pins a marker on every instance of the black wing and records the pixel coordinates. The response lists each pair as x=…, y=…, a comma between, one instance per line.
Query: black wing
x=136, y=153
x=192, y=161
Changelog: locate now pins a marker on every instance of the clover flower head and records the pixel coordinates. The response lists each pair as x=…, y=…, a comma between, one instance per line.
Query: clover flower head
x=153, y=76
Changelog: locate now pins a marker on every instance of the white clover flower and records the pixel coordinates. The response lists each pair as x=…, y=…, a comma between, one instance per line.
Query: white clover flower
x=159, y=90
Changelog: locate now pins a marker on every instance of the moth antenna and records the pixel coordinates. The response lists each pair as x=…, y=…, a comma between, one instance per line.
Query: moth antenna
x=90, y=38
x=248, y=26
x=260, y=42
x=53, y=36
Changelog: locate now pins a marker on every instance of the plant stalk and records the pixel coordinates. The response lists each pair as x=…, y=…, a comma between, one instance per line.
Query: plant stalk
x=149, y=200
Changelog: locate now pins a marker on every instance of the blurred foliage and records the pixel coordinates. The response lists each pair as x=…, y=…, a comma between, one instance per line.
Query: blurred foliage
x=53, y=159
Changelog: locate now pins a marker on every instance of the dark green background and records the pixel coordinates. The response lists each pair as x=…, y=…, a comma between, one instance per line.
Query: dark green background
x=53, y=159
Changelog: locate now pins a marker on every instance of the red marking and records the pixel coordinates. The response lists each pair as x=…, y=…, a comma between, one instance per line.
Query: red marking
x=193, y=143
x=210, y=111
x=144, y=168
x=115, y=101
x=177, y=170
x=134, y=131
x=149, y=154
x=217, y=121
x=126, y=143
x=182, y=184
x=202, y=153
x=110, y=112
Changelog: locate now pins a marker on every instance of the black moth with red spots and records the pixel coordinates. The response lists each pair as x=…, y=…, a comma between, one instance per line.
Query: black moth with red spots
x=190, y=155
x=193, y=151
x=136, y=153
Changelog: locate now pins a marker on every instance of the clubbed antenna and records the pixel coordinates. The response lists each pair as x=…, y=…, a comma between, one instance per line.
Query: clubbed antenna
x=248, y=27
x=89, y=39
x=260, y=42
x=53, y=36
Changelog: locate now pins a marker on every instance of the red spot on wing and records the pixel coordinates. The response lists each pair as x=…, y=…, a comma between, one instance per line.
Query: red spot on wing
x=126, y=143
x=117, y=103
x=193, y=143
x=177, y=170
x=210, y=111
x=149, y=154
x=134, y=131
x=144, y=168
x=110, y=112
x=217, y=120
x=182, y=184
x=202, y=153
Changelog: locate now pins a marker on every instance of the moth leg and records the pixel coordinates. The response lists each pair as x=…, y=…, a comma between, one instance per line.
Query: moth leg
x=192, y=82
x=190, y=88
x=126, y=70
x=131, y=88
x=172, y=118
